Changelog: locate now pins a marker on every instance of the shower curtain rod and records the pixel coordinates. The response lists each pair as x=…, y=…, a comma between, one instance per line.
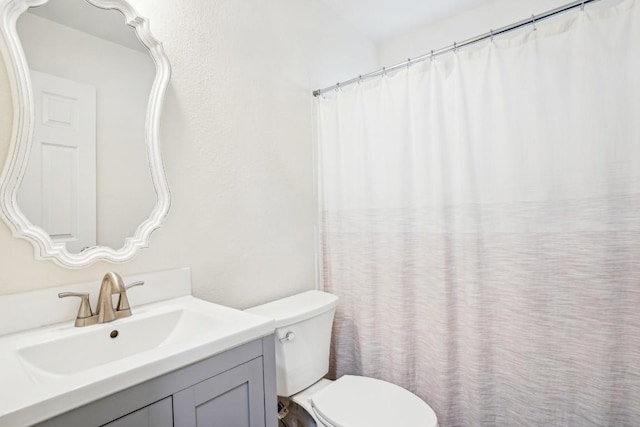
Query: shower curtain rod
x=529, y=21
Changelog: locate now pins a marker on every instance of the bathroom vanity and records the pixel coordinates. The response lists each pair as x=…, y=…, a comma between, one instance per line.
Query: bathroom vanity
x=230, y=389
x=176, y=361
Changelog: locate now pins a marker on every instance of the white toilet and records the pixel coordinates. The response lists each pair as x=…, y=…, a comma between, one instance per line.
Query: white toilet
x=303, y=335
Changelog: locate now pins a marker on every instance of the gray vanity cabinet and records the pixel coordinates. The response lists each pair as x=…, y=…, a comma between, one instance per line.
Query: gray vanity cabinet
x=159, y=414
x=233, y=389
x=233, y=398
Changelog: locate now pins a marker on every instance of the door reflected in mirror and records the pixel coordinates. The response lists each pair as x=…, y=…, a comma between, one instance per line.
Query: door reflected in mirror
x=87, y=181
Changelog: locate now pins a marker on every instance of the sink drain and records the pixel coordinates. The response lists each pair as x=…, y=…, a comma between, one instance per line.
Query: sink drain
x=113, y=334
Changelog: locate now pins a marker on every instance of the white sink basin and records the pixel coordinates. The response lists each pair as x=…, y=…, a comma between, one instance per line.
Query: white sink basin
x=90, y=347
x=51, y=370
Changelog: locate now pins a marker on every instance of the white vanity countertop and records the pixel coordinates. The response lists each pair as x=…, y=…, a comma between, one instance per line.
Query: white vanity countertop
x=31, y=394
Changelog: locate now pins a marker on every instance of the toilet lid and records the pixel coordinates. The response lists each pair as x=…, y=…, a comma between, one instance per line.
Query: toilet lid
x=353, y=401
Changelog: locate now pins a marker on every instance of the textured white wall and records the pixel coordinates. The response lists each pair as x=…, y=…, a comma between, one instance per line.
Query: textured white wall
x=470, y=23
x=237, y=142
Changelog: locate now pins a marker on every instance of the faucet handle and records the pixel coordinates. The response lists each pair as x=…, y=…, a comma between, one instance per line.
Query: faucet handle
x=140, y=283
x=84, y=312
x=123, y=309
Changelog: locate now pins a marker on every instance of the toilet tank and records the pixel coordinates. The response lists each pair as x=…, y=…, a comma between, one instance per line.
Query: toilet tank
x=303, y=336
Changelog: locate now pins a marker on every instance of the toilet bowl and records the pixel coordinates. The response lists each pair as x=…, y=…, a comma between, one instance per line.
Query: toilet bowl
x=303, y=335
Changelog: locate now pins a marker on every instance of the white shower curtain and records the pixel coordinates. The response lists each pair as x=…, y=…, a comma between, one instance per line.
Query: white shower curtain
x=480, y=221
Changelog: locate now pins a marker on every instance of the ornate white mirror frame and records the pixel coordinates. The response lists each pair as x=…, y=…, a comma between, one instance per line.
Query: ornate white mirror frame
x=23, y=127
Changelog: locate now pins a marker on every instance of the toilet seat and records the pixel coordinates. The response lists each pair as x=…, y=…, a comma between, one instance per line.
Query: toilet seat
x=354, y=401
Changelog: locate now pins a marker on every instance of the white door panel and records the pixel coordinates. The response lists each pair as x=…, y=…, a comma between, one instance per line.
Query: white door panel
x=58, y=192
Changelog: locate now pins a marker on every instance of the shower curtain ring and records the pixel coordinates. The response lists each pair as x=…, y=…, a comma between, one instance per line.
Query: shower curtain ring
x=533, y=22
x=384, y=71
x=582, y=6
x=491, y=33
x=455, y=47
x=360, y=79
x=431, y=57
x=408, y=63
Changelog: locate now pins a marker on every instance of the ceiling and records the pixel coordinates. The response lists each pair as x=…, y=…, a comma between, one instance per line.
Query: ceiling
x=376, y=19
x=381, y=19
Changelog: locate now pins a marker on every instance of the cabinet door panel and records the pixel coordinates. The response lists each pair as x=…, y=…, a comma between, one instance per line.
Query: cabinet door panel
x=234, y=398
x=160, y=414
x=227, y=409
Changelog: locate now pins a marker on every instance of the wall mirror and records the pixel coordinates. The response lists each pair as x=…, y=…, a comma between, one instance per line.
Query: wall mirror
x=83, y=180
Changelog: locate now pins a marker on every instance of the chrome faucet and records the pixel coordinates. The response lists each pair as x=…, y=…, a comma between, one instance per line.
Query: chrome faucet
x=112, y=284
